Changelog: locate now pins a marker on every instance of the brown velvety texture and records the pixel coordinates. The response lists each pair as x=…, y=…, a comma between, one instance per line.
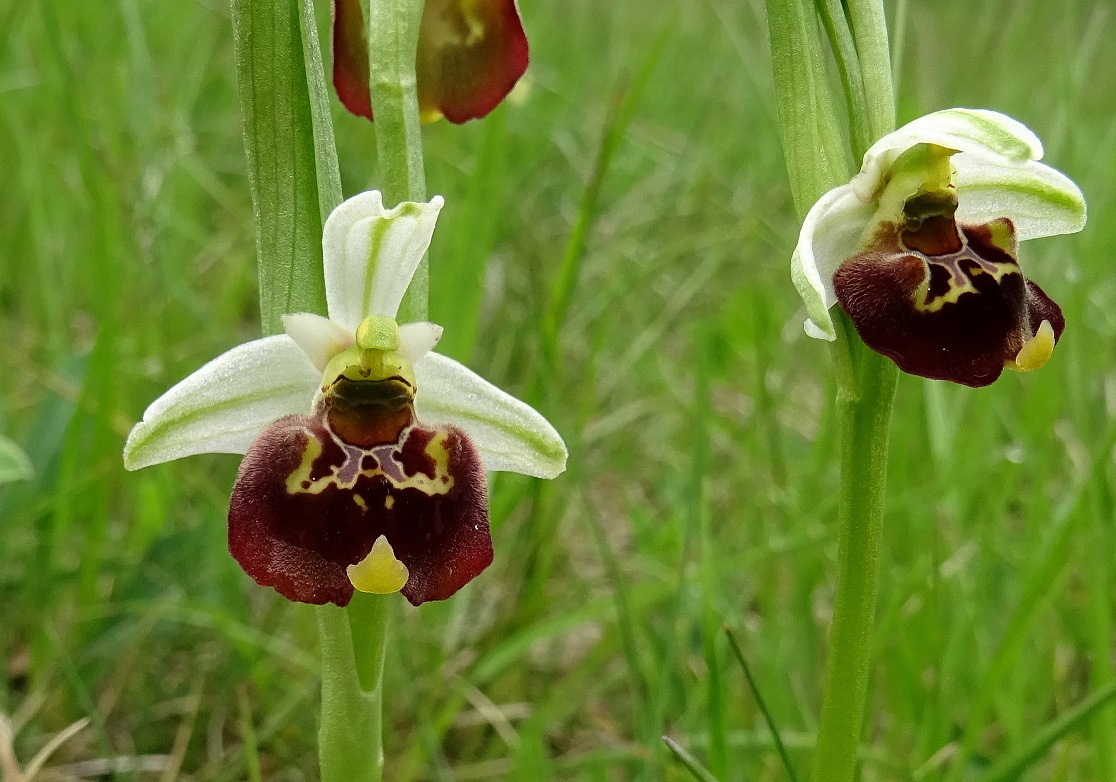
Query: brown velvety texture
x=470, y=55
x=944, y=301
x=296, y=521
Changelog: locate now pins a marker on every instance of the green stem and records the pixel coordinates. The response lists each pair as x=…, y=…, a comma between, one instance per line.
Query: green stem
x=350, y=737
x=865, y=395
x=869, y=29
x=393, y=32
x=866, y=381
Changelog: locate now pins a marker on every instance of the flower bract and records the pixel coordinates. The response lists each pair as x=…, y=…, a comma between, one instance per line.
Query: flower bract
x=365, y=450
x=921, y=248
x=470, y=55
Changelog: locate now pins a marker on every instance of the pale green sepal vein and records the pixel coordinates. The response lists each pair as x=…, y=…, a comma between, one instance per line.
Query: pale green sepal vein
x=981, y=132
x=14, y=464
x=1039, y=200
x=372, y=253
x=223, y=406
x=510, y=434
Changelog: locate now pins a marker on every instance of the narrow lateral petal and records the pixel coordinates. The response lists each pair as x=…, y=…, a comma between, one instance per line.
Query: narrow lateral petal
x=510, y=434
x=371, y=253
x=831, y=233
x=350, y=58
x=1039, y=200
x=418, y=339
x=320, y=338
x=470, y=55
x=225, y=404
x=976, y=131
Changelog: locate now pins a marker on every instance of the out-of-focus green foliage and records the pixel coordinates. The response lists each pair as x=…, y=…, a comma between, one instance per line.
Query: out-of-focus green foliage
x=128, y=260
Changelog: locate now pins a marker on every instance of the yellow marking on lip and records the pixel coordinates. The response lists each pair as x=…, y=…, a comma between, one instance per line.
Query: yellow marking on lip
x=301, y=482
x=1036, y=351
x=389, y=502
x=960, y=284
x=360, y=502
x=380, y=573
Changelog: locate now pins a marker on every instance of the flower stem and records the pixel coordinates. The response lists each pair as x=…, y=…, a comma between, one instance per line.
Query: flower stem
x=865, y=395
x=393, y=32
x=817, y=161
x=350, y=737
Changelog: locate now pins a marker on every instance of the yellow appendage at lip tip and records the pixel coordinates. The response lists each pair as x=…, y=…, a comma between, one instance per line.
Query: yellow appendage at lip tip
x=1036, y=351
x=380, y=572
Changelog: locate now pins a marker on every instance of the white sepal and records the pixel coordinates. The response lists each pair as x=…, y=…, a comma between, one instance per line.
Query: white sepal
x=831, y=233
x=977, y=131
x=371, y=253
x=320, y=338
x=418, y=339
x=510, y=434
x=223, y=406
x=1038, y=199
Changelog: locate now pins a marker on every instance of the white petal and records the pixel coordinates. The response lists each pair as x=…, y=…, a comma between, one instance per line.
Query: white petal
x=1039, y=200
x=320, y=338
x=831, y=233
x=371, y=253
x=418, y=339
x=510, y=434
x=225, y=404
x=976, y=131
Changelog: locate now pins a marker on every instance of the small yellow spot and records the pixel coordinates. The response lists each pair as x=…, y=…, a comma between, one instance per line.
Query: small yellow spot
x=380, y=572
x=389, y=502
x=1036, y=351
x=360, y=502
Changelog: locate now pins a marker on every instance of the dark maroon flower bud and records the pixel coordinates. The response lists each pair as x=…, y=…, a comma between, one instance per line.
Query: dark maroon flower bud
x=470, y=55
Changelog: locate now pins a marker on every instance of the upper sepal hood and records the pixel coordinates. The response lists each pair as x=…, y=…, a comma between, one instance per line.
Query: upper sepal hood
x=920, y=248
x=470, y=55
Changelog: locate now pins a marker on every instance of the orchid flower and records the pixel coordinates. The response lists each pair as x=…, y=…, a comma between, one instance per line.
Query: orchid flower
x=470, y=55
x=920, y=249
x=365, y=450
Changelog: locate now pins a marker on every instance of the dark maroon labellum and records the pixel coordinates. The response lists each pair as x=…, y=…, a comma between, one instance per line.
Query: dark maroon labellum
x=945, y=301
x=307, y=503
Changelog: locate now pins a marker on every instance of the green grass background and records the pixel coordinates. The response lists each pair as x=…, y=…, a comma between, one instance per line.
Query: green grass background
x=703, y=473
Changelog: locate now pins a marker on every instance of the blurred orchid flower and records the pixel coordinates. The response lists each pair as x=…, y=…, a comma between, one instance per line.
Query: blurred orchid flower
x=921, y=248
x=365, y=450
x=470, y=55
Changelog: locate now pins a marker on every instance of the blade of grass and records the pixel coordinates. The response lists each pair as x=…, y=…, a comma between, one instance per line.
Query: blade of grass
x=1012, y=767
x=688, y=761
x=1037, y=591
x=616, y=129
x=783, y=756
